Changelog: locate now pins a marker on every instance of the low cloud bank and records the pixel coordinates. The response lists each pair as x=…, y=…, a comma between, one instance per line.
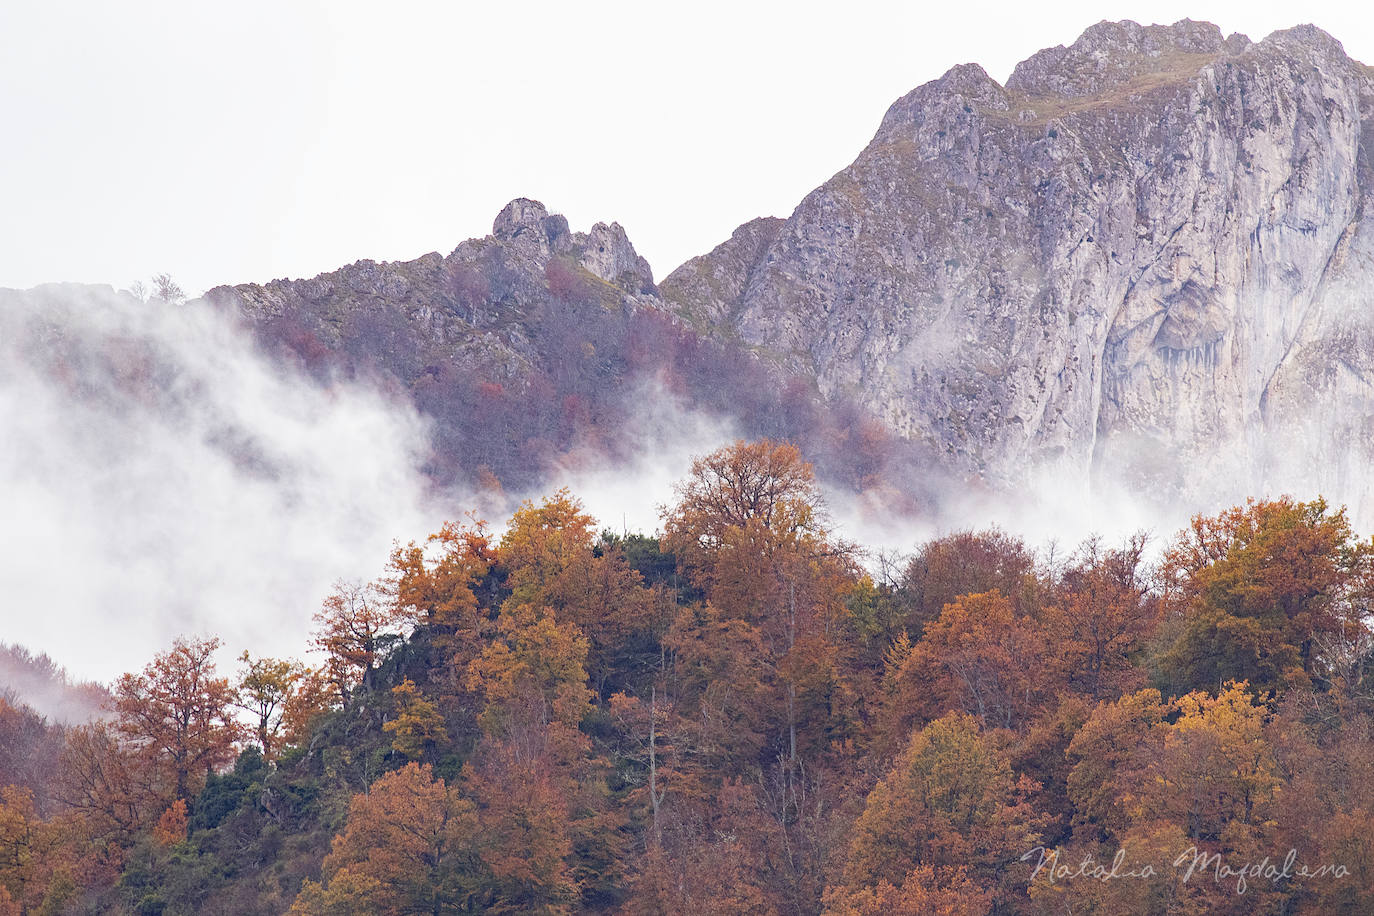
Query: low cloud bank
x=162, y=477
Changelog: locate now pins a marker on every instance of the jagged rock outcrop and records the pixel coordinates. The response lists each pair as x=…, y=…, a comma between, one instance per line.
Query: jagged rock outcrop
x=605, y=251
x=474, y=306
x=1146, y=248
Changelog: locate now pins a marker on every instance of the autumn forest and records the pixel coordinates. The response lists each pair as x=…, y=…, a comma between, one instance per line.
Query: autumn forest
x=743, y=714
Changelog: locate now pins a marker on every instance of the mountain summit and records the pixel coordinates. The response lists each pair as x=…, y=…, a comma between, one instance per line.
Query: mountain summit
x=1146, y=247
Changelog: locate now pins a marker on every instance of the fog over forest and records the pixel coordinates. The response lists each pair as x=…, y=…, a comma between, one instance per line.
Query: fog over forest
x=166, y=478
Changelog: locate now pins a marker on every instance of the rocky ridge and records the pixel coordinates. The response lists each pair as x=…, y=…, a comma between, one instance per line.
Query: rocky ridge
x=537, y=348
x=471, y=305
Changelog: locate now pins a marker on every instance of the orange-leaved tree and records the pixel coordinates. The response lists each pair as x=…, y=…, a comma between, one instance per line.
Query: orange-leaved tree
x=177, y=716
x=41, y=860
x=103, y=781
x=749, y=529
x=951, y=800
x=980, y=656
x=1253, y=590
x=539, y=789
x=552, y=561
x=1217, y=767
x=434, y=583
x=542, y=542
x=1110, y=762
x=924, y=891
x=764, y=483
x=1099, y=617
x=357, y=627
x=533, y=674
x=966, y=563
x=409, y=846
x=1203, y=763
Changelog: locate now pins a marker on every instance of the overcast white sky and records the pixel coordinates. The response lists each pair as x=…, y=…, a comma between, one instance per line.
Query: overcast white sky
x=247, y=141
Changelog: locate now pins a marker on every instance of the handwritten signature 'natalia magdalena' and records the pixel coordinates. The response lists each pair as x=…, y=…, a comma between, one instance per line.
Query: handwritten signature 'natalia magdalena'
x=1192, y=860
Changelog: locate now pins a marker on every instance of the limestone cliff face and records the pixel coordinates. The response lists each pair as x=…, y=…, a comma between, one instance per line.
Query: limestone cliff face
x=1145, y=248
x=707, y=289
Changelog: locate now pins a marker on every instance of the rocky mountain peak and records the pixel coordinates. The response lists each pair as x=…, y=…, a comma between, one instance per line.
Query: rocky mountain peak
x=606, y=253
x=520, y=215
x=1308, y=40
x=943, y=103
x=1149, y=247
x=532, y=233
x=969, y=80
x=527, y=225
x=1111, y=54
x=707, y=289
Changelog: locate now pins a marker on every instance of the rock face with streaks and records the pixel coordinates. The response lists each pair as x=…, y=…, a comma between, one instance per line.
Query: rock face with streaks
x=708, y=289
x=1145, y=256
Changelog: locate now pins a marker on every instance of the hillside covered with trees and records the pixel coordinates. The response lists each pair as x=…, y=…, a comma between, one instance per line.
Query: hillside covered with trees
x=743, y=715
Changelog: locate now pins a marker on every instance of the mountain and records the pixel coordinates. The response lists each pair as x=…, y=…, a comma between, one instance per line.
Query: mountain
x=1143, y=259
x=1147, y=248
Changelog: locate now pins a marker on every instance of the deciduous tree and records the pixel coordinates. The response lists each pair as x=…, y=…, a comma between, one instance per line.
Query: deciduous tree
x=763, y=482
x=314, y=694
x=409, y=847
x=979, y=657
x=1098, y=617
x=434, y=583
x=104, y=782
x=967, y=563
x=1253, y=590
x=552, y=561
x=418, y=727
x=542, y=542
x=1111, y=758
x=265, y=688
x=1216, y=768
x=748, y=528
x=950, y=800
x=525, y=794
x=358, y=627
x=532, y=674
x=925, y=891
x=176, y=716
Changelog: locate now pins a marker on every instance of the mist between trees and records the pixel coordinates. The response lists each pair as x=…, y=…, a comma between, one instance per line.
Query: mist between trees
x=737, y=715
